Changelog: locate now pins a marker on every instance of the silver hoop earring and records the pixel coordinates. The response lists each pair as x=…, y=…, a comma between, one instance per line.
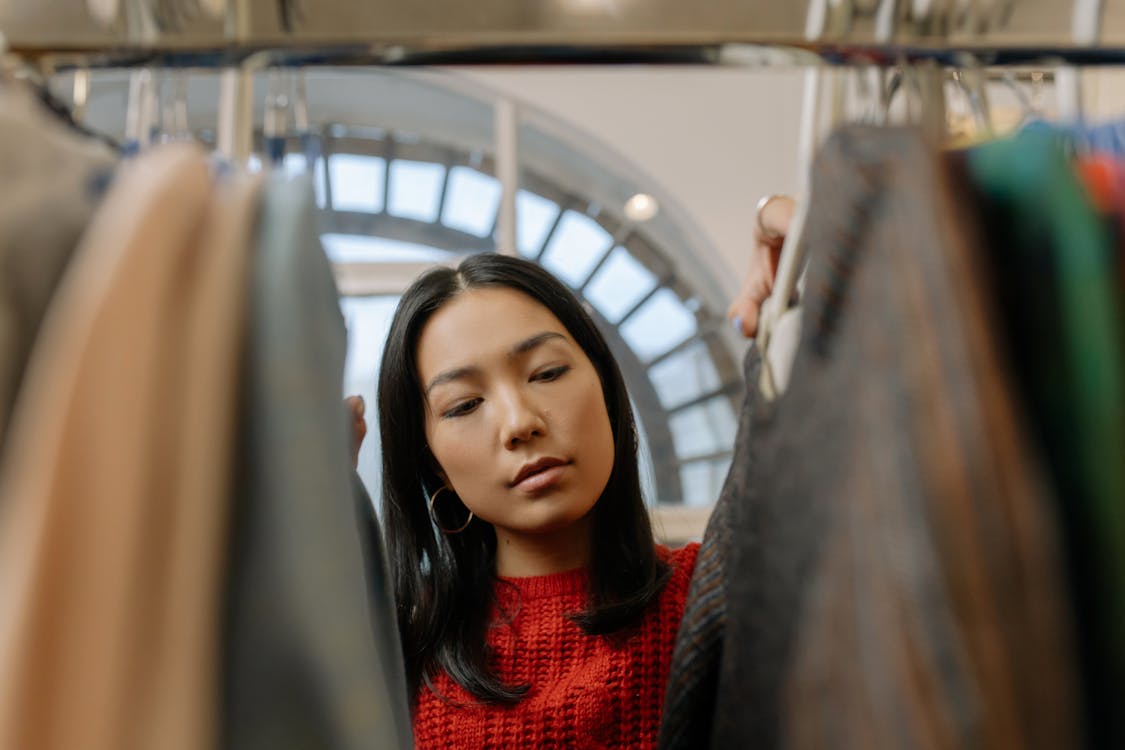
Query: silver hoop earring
x=434, y=517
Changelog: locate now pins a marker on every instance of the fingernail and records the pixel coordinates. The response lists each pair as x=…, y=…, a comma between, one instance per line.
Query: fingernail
x=736, y=321
x=362, y=405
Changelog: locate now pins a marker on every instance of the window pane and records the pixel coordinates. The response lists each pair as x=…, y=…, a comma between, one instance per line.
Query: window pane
x=357, y=182
x=660, y=324
x=702, y=481
x=685, y=375
x=706, y=428
x=319, y=184
x=294, y=164
x=471, y=201
x=353, y=248
x=534, y=217
x=368, y=319
x=415, y=189
x=619, y=285
x=576, y=246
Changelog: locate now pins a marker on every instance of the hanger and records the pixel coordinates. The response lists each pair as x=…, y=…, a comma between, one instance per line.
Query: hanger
x=971, y=81
x=777, y=360
x=275, y=126
x=309, y=140
x=234, y=138
x=81, y=93
x=173, y=122
x=235, y=127
x=140, y=119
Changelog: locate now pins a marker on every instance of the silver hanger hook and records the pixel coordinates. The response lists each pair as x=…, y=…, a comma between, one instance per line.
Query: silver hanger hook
x=275, y=126
x=173, y=109
x=81, y=93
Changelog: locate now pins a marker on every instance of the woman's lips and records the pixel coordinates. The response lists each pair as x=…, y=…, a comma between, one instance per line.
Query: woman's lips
x=542, y=479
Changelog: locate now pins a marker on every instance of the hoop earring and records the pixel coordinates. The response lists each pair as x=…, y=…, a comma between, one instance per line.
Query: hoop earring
x=434, y=518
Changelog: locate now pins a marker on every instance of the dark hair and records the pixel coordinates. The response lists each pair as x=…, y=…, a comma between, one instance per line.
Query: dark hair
x=443, y=583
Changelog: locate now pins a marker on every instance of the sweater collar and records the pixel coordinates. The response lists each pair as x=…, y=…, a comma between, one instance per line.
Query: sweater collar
x=553, y=585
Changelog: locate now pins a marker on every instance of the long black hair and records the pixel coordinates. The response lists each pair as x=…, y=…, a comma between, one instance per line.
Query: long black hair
x=443, y=583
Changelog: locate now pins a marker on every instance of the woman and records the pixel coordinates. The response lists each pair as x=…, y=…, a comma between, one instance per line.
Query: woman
x=533, y=604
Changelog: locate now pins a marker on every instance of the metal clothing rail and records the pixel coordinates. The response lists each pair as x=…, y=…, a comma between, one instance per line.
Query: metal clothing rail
x=215, y=33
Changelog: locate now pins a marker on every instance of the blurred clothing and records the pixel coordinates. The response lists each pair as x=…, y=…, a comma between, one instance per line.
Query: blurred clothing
x=1082, y=138
x=196, y=513
x=897, y=580
x=54, y=185
x=1104, y=179
x=689, y=702
x=84, y=528
x=188, y=337
x=1061, y=305
x=308, y=663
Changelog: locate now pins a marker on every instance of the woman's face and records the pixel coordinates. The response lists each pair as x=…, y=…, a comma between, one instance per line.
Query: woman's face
x=515, y=414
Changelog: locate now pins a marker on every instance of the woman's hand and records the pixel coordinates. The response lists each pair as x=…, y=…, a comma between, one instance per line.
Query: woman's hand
x=774, y=217
x=359, y=426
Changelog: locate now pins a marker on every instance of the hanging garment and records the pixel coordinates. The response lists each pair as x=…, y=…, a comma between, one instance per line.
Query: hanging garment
x=53, y=182
x=1063, y=318
x=312, y=661
x=689, y=703
x=1104, y=179
x=185, y=689
x=1103, y=138
x=896, y=581
x=92, y=459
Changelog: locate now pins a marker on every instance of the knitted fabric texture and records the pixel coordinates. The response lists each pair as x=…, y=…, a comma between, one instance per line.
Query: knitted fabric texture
x=585, y=691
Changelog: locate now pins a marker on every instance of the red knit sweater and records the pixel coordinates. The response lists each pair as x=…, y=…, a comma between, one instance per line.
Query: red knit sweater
x=586, y=691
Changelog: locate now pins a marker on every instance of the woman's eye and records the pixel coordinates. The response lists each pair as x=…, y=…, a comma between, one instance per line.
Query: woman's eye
x=462, y=408
x=554, y=373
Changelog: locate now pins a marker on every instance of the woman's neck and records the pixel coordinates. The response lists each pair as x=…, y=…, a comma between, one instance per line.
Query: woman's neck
x=521, y=555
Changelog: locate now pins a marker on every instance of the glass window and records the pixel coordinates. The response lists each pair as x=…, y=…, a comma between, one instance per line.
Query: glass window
x=575, y=247
x=357, y=182
x=619, y=284
x=704, y=429
x=415, y=189
x=702, y=481
x=660, y=324
x=471, y=201
x=685, y=375
x=352, y=248
x=294, y=165
x=319, y=184
x=535, y=215
x=368, y=319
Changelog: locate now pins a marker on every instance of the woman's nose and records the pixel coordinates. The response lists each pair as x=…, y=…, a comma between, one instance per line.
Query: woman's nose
x=522, y=421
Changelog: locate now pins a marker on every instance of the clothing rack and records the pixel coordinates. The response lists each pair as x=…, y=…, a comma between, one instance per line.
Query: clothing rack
x=212, y=33
x=245, y=36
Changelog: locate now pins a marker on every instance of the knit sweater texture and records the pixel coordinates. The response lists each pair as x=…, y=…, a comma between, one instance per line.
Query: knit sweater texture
x=585, y=691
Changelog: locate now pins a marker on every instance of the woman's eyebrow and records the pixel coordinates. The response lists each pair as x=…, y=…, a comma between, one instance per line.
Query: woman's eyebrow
x=449, y=376
x=538, y=339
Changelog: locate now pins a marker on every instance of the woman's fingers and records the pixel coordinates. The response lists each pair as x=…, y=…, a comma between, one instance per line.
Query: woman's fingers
x=771, y=225
x=357, y=407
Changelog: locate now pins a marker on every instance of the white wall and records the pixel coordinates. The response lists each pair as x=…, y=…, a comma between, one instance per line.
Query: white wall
x=711, y=141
